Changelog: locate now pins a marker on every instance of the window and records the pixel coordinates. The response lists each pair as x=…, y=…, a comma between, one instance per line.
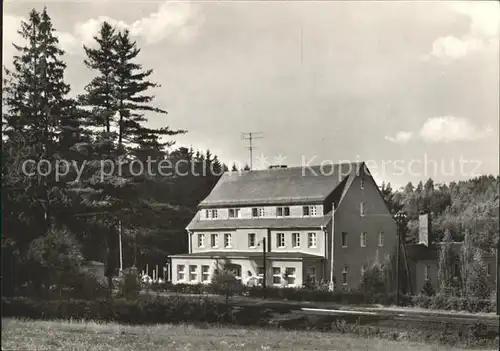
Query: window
x=488, y=269
x=258, y=212
x=296, y=239
x=205, y=275
x=363, y=270
x=251, y=240
x=426, y=272
x=290, y=275
x=276, y=275
x=234, y=213
x=363, y=239
x=456, y=270
x=211, y=214
x=381, y=239
x=344, y=276
x=309, y=210
x=193, y=275
x=362, y=209
x=311, y=240
x=227, y=240
x=362, y=182
x=180, y=272
x=305, y=210
x=214, y=240
x=201, y=240
x=282, y=211
x=344, y=239
x=311, y=273
x=280, y=239
x=313, y=211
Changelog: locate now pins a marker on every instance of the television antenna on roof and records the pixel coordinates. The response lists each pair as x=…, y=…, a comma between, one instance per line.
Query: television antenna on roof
x=250, y=137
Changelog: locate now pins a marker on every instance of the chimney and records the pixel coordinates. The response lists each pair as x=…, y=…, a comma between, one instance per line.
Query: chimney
x=424, y=228
x=277, y=166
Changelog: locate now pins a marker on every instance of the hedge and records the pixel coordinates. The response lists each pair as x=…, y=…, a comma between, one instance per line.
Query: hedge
x=440, y=302
x=182, y=309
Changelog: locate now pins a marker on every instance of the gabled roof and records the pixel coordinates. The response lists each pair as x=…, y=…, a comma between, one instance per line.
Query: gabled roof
x=293, y=185
x=259, y=223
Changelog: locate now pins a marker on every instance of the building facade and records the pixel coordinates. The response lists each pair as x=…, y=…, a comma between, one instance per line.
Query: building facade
x=295, y=218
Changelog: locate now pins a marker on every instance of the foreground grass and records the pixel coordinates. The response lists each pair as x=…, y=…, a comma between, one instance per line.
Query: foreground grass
x=60, y=335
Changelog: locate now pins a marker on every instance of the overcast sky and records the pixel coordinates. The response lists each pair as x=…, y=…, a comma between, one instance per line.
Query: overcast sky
x=403, y=83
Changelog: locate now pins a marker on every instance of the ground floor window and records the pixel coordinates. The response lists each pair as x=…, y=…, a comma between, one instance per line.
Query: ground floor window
x=193, y=275
x=276, y=275
x=181, y=274
x=205, y=275
x=344, y=276
x=290, y=274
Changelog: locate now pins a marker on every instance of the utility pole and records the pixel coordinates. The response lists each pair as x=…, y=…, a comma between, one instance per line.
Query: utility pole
x=400, y=219
x=264, y=264
x=120, y=245
x=250, y=137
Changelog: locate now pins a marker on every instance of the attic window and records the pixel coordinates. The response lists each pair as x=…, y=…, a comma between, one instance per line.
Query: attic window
x=309, y=211
x=234, y=213
x=282, y=211
x=211, y=214
x=362, y=182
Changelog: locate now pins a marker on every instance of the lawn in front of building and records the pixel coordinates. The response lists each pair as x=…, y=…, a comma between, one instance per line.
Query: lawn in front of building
x=90, y=336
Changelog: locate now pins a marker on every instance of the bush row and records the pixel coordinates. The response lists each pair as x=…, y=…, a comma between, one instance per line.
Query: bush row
x=441, y=302
x=195, y=310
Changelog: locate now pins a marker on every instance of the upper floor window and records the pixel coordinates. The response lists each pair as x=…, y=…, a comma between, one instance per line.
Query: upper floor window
x=211, y=214
x=234, y=213
x=344, y=275
x=363, y=239
x=296, y=239
x=312, y=240
x=280, y=239
x=282, y=211
x=227, y=240
x=381, y=239
x=201, y=240
x=258, y=212
x=344, y=239
x=309, y=210
x=362, y=209
x=214, y=240
x=251, y=240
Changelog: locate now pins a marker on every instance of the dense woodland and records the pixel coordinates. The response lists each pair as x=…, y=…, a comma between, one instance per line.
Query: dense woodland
x=53, y=222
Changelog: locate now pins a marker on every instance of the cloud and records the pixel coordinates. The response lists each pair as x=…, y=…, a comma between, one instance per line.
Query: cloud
x=482, y=35
x=448, y=129
x=400, y=137
x=178, y=21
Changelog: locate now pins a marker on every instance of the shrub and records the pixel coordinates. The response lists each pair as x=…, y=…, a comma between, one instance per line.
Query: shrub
x=129, y=285
x=85, y=285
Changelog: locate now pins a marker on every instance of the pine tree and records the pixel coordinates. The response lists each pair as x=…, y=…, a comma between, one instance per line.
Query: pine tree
x=40, y=121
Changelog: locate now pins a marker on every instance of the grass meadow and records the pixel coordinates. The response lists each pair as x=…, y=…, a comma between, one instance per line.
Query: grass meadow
x=90, y=336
